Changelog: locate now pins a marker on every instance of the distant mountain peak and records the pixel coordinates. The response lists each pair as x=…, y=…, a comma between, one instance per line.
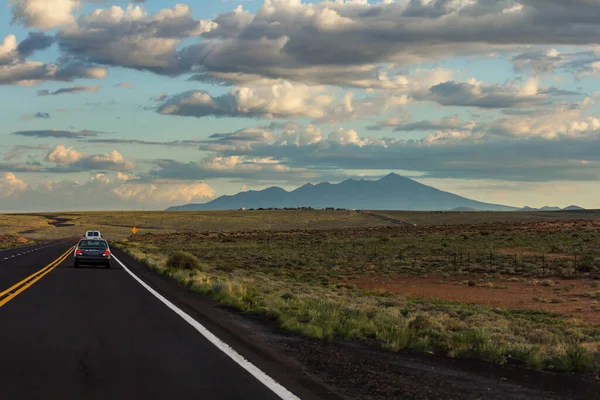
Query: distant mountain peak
x=573, y=208
x=392, y=192
x=392, y=176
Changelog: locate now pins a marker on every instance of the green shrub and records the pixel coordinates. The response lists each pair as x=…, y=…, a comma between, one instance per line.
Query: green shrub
x=184, y=260
x=586, y=263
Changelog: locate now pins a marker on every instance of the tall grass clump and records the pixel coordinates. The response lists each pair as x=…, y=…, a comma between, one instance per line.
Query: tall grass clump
x=184, y=260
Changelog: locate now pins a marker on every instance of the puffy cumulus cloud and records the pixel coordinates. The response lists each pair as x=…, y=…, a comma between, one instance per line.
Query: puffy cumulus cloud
x=347, y=40
x=132, y=38
x=346, y=43
x=69, y=159
x=285, y=100
x=8, y=49
x=473, y=93
x=99, y=192
x=552, y=142
x=10, y=184
x=15, y=69
x=350, y=136
x=564, y=120
x=64, y=155
x=44, y=14
x=165, y=192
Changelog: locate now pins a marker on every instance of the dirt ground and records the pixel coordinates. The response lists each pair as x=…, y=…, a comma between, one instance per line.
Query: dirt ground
x=562, y=296
x=12, y=241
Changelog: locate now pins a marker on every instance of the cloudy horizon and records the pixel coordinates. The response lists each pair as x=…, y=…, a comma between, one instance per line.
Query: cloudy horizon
x=148, y=104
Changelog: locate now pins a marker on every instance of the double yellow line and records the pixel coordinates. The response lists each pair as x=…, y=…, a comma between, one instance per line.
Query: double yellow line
x=20, y=287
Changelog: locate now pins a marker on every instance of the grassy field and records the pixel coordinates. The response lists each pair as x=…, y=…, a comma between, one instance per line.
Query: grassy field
x=311, y=282
x=116, y=224
x=479, y=217
x=502, y=287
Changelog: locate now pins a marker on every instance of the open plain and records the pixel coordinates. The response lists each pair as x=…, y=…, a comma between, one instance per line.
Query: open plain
x=378, y=305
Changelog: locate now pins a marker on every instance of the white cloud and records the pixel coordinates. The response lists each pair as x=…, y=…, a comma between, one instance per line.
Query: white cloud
x=64, y=155
x=8, y=49
x=100, y=192
x=165, y=192
x=73, y=160
x=44, y=14
x=10, y=184
x=285, y=100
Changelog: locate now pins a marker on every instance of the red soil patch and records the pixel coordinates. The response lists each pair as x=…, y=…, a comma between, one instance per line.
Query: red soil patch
x=517, y=295
x=12, y=240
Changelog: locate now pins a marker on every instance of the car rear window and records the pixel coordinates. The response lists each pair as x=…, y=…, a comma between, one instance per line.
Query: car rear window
x=93, y=244
x=94, y=234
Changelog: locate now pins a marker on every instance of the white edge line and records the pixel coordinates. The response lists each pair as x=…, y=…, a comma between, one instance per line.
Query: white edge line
x=262, y=377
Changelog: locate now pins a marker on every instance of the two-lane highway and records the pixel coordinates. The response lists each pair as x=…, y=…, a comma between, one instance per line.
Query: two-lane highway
x=92, y=333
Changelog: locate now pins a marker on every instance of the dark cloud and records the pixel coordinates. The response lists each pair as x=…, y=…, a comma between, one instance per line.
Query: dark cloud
x=534, y=159
x=19, y=167
x=57, y=134
x=69, y=90
x=328, y=42
x=37, y=115
x=35, y=41
x=175, y=143
x=230, y=168
x=30, y=72
x=476, y=95
x=559, y=92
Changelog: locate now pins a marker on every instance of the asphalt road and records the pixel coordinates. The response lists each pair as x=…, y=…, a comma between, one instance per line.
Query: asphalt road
x=91, y=333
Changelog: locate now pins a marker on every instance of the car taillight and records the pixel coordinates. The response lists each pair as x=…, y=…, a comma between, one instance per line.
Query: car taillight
x=106, y=253
x=78, y=252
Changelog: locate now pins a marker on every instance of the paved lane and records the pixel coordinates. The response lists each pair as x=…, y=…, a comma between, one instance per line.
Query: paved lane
x=18, y=263
x=92, y=333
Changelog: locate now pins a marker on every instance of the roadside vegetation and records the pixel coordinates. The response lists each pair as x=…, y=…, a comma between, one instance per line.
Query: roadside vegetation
x=309, y=282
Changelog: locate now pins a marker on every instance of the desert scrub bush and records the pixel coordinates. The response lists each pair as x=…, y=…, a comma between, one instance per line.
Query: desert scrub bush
x=547, y=283
x=184, y=260
x=586, y=263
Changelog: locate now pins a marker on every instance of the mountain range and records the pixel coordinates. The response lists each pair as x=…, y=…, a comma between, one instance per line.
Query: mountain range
x=392, y=192
x=554, y=208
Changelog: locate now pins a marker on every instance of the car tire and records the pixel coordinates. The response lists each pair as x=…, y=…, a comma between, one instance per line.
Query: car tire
x=75, y=265
x=107, y=265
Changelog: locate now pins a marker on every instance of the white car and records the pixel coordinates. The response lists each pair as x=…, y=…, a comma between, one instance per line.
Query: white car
x=93, y=235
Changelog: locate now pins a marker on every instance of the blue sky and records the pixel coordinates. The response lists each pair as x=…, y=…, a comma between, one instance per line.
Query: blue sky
x=285, y=92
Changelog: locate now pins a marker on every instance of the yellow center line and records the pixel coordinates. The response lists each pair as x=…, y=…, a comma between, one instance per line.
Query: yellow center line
x=31, y=279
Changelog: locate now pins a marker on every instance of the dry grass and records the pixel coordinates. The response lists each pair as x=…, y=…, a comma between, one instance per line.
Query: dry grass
x=303, y=283
x=481, y=217
x=117, y=225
